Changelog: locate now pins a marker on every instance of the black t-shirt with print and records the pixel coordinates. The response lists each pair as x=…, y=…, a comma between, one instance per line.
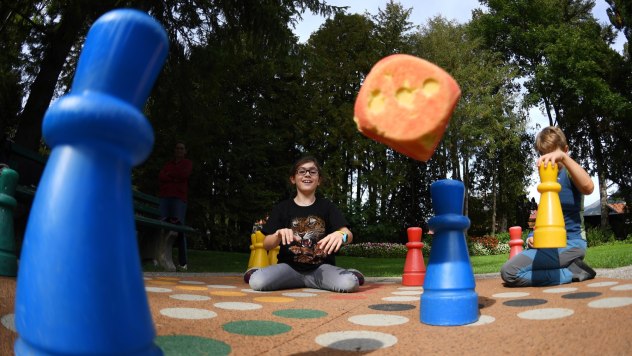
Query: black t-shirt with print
x=310, y=224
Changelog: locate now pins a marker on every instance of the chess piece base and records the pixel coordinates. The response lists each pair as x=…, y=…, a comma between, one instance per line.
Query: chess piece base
x=413, y=279
x=445, y=308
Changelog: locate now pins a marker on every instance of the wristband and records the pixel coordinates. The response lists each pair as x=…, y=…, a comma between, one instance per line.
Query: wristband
x=344, y=236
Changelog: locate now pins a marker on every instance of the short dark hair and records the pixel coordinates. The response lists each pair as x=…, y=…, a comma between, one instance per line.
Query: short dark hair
x=301, y=161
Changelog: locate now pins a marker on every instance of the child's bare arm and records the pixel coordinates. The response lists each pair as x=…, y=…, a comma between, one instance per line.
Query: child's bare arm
x=581, y=179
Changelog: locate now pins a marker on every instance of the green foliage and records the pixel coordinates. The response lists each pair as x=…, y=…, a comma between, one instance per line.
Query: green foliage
x=597, y=237
x=503, y=237
x=377, y=233
x=486, y=246
x=373, y=250
x=481, y=246
x=620, y=14
x=571, y=73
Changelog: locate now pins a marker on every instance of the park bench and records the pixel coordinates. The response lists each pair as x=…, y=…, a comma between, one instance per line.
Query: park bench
x=152, y=247
x=155, y=235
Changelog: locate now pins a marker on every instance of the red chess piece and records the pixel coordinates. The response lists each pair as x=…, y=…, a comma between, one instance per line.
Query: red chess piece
x=515, y=240
x=414, y=267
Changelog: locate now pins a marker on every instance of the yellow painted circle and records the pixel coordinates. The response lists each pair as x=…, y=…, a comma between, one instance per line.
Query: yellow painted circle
x=191, y=288
x=161, y=283
x=224, y=293
x=274, y=299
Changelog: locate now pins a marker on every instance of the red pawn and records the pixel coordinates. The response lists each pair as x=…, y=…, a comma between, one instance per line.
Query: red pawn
x=515, y=240
x=414, y=267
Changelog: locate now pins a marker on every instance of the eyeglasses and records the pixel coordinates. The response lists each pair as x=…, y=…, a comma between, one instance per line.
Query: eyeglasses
x=303, y=171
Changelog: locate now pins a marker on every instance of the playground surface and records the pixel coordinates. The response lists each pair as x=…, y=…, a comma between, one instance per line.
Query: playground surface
x=211, y=314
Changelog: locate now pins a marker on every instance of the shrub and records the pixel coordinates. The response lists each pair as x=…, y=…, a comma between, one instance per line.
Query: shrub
x=489, y=242
x=503, y=237
x=374, y=249
x=502, y=248
x=477, y=246
x=487, y=245
x=478, y=249
x=597, y=236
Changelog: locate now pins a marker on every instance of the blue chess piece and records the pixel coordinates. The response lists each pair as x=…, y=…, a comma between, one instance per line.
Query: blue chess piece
x=80, y=288
x=449, y=296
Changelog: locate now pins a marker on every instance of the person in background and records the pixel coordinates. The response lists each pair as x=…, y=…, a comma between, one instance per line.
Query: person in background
x=310, y=230
x=554, y=266
x=173, y=190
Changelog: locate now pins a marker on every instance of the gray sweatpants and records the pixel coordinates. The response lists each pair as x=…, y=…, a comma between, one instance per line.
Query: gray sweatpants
x=282, y=276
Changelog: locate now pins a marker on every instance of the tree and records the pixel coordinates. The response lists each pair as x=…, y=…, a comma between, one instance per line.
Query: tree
x=13, y=31
x=56, y=28
x=620, y=15
x=230, y=89
x=337, y=58
x=564, y=54
x=486, y=124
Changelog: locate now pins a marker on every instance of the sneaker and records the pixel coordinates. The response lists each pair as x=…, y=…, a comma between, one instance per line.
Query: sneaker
x=248, y=274
x=358, y=275
x=182, y=268
x=581, y=271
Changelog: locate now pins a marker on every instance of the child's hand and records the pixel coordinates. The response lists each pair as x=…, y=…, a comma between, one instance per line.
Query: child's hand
x=287, y=236
x=331, y=243
x=530, y=242
x=556, y=156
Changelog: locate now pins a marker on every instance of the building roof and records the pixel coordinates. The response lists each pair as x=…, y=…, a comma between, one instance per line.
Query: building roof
x=614, y=208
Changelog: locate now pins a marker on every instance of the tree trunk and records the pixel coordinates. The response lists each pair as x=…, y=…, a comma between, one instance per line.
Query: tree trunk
x=58, y=44
x=494, y=194
x=358, y=191
x=466, y=183
x=601, y=176
x=603, y=199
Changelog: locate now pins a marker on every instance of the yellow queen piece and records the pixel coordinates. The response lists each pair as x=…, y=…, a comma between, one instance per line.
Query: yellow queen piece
x=550, y=230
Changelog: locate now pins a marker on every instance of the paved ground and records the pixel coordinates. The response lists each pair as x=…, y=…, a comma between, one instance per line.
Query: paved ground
x=218, y=314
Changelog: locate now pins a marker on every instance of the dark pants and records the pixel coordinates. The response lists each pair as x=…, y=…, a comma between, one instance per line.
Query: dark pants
x=542, y=267
x=175, y=208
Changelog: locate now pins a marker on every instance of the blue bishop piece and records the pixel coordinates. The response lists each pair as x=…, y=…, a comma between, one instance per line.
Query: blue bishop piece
x=449, y=296
x=80, y=287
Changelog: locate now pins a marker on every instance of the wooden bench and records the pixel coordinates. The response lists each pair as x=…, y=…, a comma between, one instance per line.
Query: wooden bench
x=155, y=236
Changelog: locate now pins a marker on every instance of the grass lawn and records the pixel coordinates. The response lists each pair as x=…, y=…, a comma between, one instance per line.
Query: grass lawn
x=605, y=256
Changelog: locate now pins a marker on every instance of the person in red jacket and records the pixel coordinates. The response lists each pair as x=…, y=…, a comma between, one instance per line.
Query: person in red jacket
x=174, y=186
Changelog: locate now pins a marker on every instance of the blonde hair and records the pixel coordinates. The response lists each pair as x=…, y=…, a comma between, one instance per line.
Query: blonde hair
x=550, y=139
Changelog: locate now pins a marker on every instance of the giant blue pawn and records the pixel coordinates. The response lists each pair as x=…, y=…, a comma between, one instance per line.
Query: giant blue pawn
x=80, y=287
x=449, y=296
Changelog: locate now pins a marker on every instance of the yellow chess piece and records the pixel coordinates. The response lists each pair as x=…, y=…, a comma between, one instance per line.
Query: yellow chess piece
x=260, y=258
x=252, y=250
x=273, y=255
x=550, y=230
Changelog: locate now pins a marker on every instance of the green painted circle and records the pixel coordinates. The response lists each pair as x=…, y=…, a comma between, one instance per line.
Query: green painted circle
x=185, y=345
x=300, y=313
x=256, y=327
